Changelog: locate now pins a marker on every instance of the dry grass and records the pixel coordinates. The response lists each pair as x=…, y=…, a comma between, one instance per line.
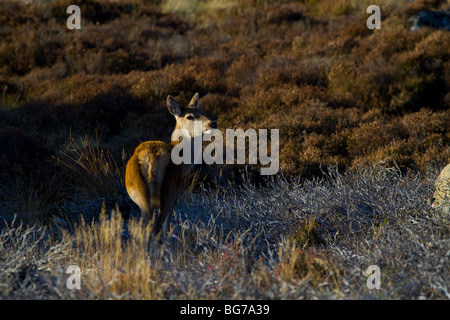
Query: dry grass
x=91, y=168
x=290, y=239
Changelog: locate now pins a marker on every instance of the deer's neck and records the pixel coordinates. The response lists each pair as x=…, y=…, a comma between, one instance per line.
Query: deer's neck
x=187, y=144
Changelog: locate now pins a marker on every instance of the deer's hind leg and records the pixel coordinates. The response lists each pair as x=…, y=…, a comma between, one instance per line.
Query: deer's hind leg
x=170, y=190
x=137, y=188
x=156, y=172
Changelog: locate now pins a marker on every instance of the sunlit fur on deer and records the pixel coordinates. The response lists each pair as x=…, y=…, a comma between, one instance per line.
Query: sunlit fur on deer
x=152, y=180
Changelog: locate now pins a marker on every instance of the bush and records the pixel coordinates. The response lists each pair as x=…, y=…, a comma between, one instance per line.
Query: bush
x=338, y=92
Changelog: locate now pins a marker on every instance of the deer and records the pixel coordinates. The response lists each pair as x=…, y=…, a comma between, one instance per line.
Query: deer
x=152, y=179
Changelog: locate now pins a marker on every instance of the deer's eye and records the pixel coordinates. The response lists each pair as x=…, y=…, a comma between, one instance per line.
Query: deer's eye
x=190, y=117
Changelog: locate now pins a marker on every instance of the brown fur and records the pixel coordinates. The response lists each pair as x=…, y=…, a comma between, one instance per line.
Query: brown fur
x=152, y=180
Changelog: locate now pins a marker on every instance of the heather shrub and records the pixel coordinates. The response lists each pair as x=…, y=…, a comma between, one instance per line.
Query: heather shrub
x=216, y=104
x=342, y=81
x=20, y=153
x=30, y=46
x=373, y=135
x=338, y=92
x=93, y=11
x=242, y=72
x=424, y=5
x=150, y=87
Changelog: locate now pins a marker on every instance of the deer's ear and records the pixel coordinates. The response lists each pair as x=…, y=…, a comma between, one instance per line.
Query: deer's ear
x=173, y=106
x=194, y=101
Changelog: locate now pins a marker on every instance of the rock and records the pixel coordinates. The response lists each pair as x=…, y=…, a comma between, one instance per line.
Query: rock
x=442, y=193
x=433, y=19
